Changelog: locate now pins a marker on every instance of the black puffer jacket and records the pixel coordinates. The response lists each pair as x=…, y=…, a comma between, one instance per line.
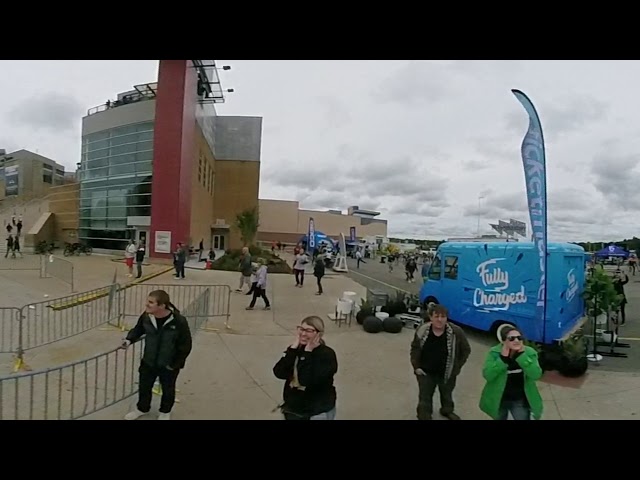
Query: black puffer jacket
x=316, y=370
x=168, y=346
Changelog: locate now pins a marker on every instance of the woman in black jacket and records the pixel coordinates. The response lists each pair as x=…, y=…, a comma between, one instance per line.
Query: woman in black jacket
x=308, y=367
x=318, y=272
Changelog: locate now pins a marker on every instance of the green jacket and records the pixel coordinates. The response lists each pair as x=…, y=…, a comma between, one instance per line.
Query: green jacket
x=495, y=373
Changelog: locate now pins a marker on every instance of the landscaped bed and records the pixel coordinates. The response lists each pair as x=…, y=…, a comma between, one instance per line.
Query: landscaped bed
x=231, y=259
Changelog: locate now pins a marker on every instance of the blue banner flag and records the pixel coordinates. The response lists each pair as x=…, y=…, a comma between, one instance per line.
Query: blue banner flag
x=535, y=175
x=311, y=236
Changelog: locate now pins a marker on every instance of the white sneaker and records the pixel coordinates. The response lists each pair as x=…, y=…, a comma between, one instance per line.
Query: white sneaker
x=134, y=415
x=164, y=416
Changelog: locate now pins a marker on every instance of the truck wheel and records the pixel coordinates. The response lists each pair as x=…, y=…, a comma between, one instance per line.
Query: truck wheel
x=500, y=327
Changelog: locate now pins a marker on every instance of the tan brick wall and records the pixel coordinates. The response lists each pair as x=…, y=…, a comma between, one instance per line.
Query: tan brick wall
x=282, y=217
x=64, y=203
x=202, y=192
x=236, y=189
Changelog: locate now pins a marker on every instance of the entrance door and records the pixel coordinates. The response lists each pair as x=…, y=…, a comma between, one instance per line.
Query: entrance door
x=218, y=242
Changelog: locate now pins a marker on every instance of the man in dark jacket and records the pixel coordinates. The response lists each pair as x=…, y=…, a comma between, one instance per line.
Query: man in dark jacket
x=166, y=348
x=438, y=352
x=179, y=259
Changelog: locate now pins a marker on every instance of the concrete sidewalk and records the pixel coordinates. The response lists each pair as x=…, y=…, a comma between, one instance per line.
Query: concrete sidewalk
x=229, y=374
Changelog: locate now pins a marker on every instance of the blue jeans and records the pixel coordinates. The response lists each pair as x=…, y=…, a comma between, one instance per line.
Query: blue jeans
x=519, y=410
x=330, y=415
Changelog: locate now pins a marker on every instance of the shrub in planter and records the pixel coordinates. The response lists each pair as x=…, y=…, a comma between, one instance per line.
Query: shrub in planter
x=396, y=306
x=573, y=362
x=366, y=310
x=550, y=359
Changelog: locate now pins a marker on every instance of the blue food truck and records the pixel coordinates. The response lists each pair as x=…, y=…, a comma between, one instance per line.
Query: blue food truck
x=488, y=285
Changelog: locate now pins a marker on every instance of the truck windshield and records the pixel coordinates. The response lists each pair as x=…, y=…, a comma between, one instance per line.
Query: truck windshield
x=436, y=269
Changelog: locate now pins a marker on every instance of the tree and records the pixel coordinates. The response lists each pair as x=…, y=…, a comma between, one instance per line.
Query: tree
x=247, y=223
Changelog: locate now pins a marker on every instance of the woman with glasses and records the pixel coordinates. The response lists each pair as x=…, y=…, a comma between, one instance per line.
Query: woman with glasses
x=511, y=370
x=308, y=367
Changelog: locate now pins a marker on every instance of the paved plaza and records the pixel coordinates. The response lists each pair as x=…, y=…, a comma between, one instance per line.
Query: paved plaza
x=229, y=374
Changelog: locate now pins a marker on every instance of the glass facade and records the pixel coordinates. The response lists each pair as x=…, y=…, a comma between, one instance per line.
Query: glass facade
x=115, y=183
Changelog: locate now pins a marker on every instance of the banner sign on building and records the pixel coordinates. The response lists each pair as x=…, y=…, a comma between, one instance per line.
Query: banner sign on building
x=352, y=234
x=163, y=242
x=11, y=177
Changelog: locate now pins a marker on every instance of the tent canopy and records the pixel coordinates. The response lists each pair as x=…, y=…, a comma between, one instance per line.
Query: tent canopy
x=612, y=251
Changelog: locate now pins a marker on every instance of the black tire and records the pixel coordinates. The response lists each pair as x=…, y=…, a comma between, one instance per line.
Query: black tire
x=392, y=325
x=372, y=324
x=88, y=250
x=67, y=252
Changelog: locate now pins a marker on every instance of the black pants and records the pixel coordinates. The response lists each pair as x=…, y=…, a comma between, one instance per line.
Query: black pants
x=319, y=284
x=252, y=289
x=299, y=277
x=148, y=377
x=623, y=316
x=179, y=269
x=427, y=386
x=139, y=265
x=358, y=261
x=259, y=292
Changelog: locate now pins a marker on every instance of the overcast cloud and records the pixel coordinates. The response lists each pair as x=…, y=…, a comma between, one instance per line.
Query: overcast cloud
x=420, y=141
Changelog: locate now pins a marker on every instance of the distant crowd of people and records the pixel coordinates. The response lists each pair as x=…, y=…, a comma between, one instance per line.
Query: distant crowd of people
x=13, y=239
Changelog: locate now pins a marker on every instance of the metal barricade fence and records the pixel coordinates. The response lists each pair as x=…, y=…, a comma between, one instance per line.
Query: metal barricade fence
x=74, y=390
x=9, y=330
x=50, y=321
x=22, y=263
x=87, y=386
x=218, y=303
x=58, y=268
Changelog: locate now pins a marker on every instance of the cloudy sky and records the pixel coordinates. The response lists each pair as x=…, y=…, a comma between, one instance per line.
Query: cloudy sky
x=420, y=141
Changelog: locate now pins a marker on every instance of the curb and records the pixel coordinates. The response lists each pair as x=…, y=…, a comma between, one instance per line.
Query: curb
x=104, y=292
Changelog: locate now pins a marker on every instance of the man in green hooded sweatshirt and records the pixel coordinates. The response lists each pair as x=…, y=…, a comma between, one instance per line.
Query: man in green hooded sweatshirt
x=511, y=370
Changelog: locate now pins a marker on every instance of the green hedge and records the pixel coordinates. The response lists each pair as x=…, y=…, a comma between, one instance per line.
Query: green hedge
x=229, y=262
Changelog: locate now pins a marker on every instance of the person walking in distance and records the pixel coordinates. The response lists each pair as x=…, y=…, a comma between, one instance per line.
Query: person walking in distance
x=260, y=287
x=308, y=367
x=19, y=226
x=16, y=246
x=318, y=272
x=298, y=268
x=620, y=279
x=438, y=352
x=179, y=259
x=129, y=255
x=167, y=346
x=140, y=253
x=246, y=269
x=359, y=258
x=9, y=246
x=511, y=370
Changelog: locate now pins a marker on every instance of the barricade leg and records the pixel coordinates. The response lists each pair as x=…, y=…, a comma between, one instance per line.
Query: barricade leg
x=114, y=309
x=19, y=364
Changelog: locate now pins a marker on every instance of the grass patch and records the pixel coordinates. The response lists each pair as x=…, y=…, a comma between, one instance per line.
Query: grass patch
x=229, y=262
